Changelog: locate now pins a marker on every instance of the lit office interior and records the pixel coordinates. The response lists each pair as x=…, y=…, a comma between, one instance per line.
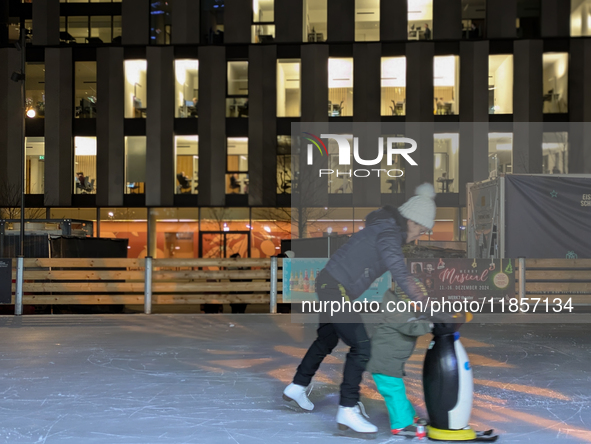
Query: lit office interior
x=237, y=166
x=446, y=85
x=85, y=90
x=367, y=20
x=393, y=180
x=500, y=84
x=344, y=182
x=446, y=162
x=135, y=164
x=420, y=19
x=555, y=152
x=263, y=18
x=288, y=88
x=90, y=29
x=555, y=82
x=85, y=165
x=237, y=94
x=34, y=165
x=35, y=89
x=340, y=87
x=284, y=169
x=393, y=83
x=315, y=20
x=136, y=88
x=473, y=19
x=500, y=153
x=186, y=88
x=187, y=164
x=580, y=18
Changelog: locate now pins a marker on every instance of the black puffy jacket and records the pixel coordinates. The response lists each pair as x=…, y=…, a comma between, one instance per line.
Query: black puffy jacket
x=373, y=251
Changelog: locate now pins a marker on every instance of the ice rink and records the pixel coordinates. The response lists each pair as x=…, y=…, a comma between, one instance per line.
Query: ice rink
x=219, y=378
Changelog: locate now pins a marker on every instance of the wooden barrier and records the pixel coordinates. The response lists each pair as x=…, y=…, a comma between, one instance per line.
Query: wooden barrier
x=122, y=281
x=558, y=278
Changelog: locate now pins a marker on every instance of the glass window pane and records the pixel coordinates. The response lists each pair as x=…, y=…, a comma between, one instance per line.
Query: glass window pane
x=555, y=82
x=315, y=20
x=262, y=33
x=555, y=153
x=35, y=89
x=85, y=90
x=187, y=164
x=34, y=165
x=343, y=182
x=237, y=166
x=446, y=162
x=580, y=18
x=100, y=29
x=212, y=22
x=393, y=180
x=340, y=87
x=528, y=19
x=85, y=165
x=473, y=19
x=135, y=164
x=131, y=224
x=77, y=27
x=237, y=96
x=393, y=86
x=269, y=226
x=117, y=29
x=367, y=20
x=500, y=153
x=288, y=88
x=160, y=22
x=186, y=87
x=136, y=88
x=420, y=19
x=263, y=11
x=500, y=84
x=283, y=164
x=446, y=81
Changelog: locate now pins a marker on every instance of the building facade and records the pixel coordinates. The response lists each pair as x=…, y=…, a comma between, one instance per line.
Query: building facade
x=177, y=115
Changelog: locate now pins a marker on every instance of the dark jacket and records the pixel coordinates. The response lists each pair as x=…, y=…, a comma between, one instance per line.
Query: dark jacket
x=373, y=251
x=394, y=340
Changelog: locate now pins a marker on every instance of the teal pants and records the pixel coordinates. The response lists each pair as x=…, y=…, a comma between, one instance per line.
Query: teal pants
x=400, y=409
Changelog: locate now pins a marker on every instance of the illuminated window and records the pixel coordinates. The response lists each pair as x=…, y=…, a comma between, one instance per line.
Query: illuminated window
x=237, y=92
x=555, y=153
x=135, y=164
x=341, y=182
x=237, y=166
x=35, y=89
x=186, y=88
x=580, y=18
x=420, y=19
x=446, y=82
x=500, y=153
x=393, y=86
x=392, y=180
x=85, y=165
x=85, y=90
x=446, y=163
x=284, y=165
x=263, y=18
x=367, y=20
x=555, y=82
x=315, y=20
x=187, y=164
x=35, y=165
x=288, y=88
x=500, y=84
x=340, y=87
x=136, y=97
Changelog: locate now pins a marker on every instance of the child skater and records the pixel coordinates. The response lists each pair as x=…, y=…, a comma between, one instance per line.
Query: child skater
x=392, y=343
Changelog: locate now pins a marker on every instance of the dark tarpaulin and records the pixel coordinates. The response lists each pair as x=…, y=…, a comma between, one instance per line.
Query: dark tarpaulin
x=547, y=217
x=87, y=247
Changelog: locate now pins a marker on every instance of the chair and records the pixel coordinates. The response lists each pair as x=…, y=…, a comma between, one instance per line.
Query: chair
x=185, y=185
x=234, y=184
x=94, y=40
x=90, y=187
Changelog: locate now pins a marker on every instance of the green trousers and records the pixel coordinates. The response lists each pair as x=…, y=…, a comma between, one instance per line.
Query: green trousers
x=400, y=409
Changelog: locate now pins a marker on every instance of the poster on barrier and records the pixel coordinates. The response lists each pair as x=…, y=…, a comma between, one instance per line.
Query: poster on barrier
x=299, y=281
x=5, y=281
x=465, y=279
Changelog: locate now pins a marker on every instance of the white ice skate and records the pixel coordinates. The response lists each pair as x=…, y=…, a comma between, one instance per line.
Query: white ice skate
x=352, y=419
x=296, y=395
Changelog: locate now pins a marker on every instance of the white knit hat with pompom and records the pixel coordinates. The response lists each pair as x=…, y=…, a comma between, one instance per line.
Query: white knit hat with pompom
x=421, y=207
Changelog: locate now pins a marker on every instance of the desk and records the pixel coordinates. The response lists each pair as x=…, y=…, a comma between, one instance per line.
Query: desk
x=445, y=183
x=140, y=112
x=395, y=185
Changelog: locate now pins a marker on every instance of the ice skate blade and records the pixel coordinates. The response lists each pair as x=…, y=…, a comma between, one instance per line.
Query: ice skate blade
x=293, y=405
x=349, y=432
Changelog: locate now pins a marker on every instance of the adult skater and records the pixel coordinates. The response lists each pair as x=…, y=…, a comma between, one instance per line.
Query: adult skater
x=351, y=270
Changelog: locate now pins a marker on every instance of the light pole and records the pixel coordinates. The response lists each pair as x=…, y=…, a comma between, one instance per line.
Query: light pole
x=20, y=77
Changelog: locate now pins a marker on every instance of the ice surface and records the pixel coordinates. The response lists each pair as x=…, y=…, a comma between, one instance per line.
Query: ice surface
x=219, y=379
